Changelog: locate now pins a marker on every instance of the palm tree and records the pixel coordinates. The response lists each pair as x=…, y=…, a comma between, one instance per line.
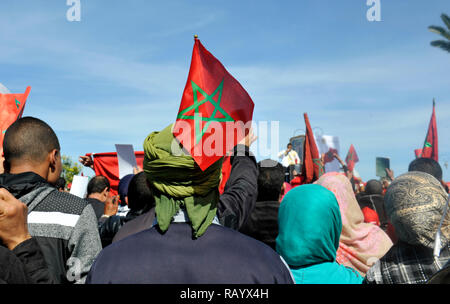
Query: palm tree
x=443, y=44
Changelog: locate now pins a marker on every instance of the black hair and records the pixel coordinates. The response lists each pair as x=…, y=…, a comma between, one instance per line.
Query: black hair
x=140, y=195
x=374, y=186
x=427, y=165
x=29, y=139
x=60, y=183
x=270, y=180
x=97, y=184
x=289, y=144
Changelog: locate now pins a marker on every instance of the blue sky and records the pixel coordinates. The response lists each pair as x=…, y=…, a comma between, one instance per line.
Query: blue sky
x=119, y=73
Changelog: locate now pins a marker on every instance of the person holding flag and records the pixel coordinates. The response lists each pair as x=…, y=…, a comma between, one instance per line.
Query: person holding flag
x=184, y=176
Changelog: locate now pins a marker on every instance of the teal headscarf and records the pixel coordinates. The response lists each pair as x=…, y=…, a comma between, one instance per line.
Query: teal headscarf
x=309, y=227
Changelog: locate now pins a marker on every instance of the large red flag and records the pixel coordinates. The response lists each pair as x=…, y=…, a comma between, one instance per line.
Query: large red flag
x=212, y=100
x=430, y=146
x=312, y=166
x=11, y=109
x=352, y=158
x=107, y=164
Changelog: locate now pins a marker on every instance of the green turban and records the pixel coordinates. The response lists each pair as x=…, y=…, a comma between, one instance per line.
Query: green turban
x=178, y=181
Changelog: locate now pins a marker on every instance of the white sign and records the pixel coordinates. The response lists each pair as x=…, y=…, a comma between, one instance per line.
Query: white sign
x=79, y=186
x=126, y=159
x=324, y=144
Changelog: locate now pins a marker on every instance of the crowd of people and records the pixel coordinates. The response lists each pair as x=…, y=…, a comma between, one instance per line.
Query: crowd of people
x=171, y=224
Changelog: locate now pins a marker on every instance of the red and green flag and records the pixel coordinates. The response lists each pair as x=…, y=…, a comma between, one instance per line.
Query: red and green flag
x=312, y=165
x=352, y=158
x=214, y=109
x=430, y=146
x=11, y=109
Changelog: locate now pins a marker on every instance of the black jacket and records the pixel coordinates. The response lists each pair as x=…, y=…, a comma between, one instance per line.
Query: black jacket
x=263, y=223
x=64, y=225
x=25, y=264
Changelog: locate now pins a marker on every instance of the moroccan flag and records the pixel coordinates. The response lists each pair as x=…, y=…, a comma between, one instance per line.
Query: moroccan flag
x=352, y=158
x=11, y=109
x=214, y=110
x=312, y=166
x=430, y=146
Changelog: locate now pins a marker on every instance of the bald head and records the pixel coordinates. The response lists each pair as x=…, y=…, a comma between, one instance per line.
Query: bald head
x=29, y=140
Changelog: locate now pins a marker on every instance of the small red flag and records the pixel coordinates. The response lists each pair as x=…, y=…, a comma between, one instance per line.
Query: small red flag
x=11, y=109
x=352, y=158
x=430, y=146
x=212, y=100
x=312, y=166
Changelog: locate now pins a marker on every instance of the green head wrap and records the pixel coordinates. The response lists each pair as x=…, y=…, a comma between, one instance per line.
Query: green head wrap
x=178, y=181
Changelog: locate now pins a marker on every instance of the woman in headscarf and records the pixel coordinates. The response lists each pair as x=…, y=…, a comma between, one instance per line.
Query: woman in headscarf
x=414, y=204
x=361, y=244
x=309, y=223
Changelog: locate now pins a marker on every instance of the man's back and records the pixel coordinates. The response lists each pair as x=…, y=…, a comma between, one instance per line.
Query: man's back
x=64, y=225
x=220, y=256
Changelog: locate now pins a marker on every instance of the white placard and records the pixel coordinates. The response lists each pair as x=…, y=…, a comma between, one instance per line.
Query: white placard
x=79, y=186
x=324, y=143
x=126, y=159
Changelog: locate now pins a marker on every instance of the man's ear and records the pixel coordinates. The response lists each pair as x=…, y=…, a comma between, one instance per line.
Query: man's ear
x=53, y=159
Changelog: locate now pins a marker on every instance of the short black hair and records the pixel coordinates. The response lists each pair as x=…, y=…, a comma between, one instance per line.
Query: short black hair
x=140, y=195
x=97, y=184
x=289, y=144
x=30, y=139
x=60, y=183
x=373, y=186
x=427, y=165
x=270, y=180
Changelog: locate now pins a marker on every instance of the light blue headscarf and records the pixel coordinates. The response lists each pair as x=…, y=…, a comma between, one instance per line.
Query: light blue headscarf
x=310, y=224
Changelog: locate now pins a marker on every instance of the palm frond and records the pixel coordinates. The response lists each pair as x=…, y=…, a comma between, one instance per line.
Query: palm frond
x=439, y=30
x=446, y=20
x=445, y=45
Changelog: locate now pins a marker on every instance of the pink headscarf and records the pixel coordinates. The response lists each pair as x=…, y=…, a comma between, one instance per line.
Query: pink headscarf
x=361, y=244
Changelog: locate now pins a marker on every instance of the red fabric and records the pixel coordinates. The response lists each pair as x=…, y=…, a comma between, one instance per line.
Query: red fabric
x=226, y=170
x=106, y=164
x=430, y=146
x=329, y=156
x=11, y=109
x=311, y=168
x=352, y=158
x=296, y=181
x=370, y=216
x=207, y=76
x=287, y=187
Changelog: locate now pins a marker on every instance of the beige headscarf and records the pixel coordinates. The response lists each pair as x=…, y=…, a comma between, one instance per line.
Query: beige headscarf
x=414, y=203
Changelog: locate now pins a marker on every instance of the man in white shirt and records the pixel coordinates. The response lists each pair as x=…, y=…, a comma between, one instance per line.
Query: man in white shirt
x=289, y=160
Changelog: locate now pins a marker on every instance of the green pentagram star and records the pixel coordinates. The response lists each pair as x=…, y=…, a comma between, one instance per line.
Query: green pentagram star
x=199, y=132
x=318, y=162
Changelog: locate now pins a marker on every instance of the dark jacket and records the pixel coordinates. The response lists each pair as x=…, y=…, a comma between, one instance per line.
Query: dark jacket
x=220, y=256
x=235, y=204
x=64, y=225
x=97, y=205
x=25, y=264
x=263, y=223
x=108, y=227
